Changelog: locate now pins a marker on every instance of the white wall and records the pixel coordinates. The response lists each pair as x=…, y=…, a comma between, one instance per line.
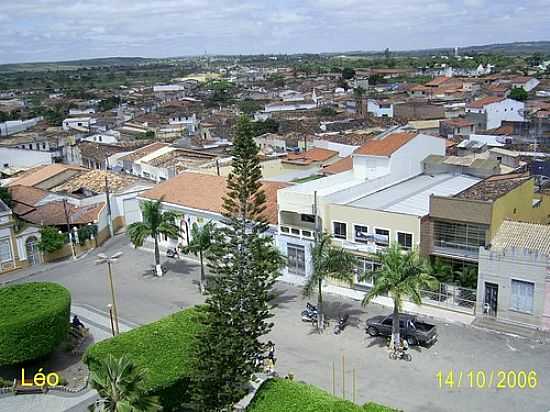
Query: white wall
x=508, y=109
x=343, y=150
x=23, y=158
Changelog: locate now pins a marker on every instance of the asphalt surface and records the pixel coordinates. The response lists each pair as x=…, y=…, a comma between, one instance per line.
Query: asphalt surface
x=317, y=358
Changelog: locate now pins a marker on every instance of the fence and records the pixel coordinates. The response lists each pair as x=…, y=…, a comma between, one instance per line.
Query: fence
x=451, y=296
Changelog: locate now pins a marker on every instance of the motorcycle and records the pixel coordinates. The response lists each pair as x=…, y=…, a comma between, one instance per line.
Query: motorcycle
x=310, y=313
x=341, y=324
x=172, y=253
x=400, y=353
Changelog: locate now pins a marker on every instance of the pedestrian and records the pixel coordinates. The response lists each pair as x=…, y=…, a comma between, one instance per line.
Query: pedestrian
x=271, y=352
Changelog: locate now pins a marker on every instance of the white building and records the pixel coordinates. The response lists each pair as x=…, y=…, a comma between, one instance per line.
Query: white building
x=110, y=137
x=380, y=108
x=16, y=126
x=488, y=113
x=78, y=123
x=379, y=164
x=190, y=123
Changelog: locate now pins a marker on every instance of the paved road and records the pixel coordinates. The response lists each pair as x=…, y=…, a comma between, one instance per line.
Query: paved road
x=411, y=386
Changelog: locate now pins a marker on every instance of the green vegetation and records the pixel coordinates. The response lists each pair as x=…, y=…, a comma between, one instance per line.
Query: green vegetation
x=327, y=112
x=402, y=274
x=201, y=238
x=34, y=320
x=155, y=223
x=163, y=349
x=519, y=94
x=50, y=239
x=284, y=395
x=307, y=179
x=245, y=264
x=328, y=261
x=5, y=196
x=348, y=73
x=109, y=103
x=121, y=387
x=249, y=106
x=266, y=126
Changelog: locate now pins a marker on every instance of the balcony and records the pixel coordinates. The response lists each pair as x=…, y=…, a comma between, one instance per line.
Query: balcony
x=456, y=250
x=299, y=232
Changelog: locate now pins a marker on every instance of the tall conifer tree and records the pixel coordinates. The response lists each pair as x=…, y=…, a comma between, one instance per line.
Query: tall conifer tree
x=245, y=265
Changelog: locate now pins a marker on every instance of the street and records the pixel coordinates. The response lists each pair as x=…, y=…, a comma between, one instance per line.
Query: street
x=411, y=386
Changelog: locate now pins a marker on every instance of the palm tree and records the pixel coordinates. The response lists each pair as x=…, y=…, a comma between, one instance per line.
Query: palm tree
x=155, y=223
x=402, y=274
x=328, y=262
x=120, y=385
x=201, y=237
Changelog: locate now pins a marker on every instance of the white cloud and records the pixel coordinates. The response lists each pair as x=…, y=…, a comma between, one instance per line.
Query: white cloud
x=74, y=29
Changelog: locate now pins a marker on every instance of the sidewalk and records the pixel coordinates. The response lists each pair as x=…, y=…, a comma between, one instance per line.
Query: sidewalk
x=20, y=274
x=99, y=324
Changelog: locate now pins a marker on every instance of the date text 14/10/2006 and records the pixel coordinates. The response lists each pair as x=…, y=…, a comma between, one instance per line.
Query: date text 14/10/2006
x=482, y=379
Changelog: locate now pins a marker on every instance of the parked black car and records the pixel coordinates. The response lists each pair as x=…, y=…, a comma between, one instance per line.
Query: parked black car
x=413, y=330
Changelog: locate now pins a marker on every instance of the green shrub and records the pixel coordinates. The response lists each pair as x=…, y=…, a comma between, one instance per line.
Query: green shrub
x=34, y=320
x=163, y=349
x=283, y=395
x=50, y=239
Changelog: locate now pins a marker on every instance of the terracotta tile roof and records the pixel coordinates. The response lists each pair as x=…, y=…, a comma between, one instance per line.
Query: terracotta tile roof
x=94, y=181
x=387, y=145
x=438, y=81
x=53, y=214
x=43, y=173
x=25, y=197
x=493, y=187
x=339, y=166
x=144, y=151
x=205, y=192
x=479, y=104
x=458, y=122
x=522, y=236
x=316, y=154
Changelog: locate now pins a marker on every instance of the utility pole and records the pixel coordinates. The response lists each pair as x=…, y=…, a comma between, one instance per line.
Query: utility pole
x=69, y=232
x=109, y=260
x=108, y=197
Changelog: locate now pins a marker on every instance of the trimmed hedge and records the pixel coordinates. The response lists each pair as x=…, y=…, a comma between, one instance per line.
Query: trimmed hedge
x=163, y=348
x=34, y=320
x=283, y=395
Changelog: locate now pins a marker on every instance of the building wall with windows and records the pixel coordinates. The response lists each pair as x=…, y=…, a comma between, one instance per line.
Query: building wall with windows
x=357, y=219
x=522, y=278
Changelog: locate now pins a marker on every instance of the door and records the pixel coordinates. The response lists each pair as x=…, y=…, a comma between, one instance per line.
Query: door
x=132, y=212
x=31, y=247
x=490, y=303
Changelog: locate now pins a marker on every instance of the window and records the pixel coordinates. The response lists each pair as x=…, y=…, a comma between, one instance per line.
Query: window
x=296, y=259
x=5, y=250
x=405, y=240
x=306, y=233
x=522, y=296
x=295, y=231
x=307, y=218
x=364, y=271
x=361, y=233
x=382, y=237
x=339, y=230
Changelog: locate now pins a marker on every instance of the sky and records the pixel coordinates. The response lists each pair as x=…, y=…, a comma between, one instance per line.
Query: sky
x=53, y=30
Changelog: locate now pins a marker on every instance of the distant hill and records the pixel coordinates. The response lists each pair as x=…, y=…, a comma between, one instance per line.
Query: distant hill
x=509, y=49
x=76, y=64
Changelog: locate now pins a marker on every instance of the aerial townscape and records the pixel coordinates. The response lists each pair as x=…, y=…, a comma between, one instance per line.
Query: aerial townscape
x=273, y=230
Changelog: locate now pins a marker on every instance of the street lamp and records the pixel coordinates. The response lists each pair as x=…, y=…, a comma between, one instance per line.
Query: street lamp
x=109, y=260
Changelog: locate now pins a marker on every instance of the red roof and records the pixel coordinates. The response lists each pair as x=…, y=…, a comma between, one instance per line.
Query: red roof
x=316, y=154
x=479, y=104
x=438, y=81
x=458, y=122
x=385, y=146
x=340, y=166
